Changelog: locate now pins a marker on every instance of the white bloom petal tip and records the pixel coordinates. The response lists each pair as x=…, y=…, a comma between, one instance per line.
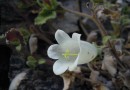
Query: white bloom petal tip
x=60, y=66
x=61, y=36
x=53, y=51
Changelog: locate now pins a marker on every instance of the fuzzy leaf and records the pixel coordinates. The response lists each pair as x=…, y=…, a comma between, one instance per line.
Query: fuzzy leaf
x=41, y=61
x=14, y=36
x=31, y=62
x=98, y=1
x=47, y=12
x=125, y=20
x=15, y=42
x=44, y=16
x=2, y=36
x=24, y=33
x=126, y=10
x=54, y=3
x=18, y=48
x=105, y=39
x=117, y=28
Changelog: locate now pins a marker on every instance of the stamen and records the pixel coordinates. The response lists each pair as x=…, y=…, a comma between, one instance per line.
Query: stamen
x=67, y=54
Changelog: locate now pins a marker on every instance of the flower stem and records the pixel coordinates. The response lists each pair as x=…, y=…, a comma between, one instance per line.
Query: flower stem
x=75, y=12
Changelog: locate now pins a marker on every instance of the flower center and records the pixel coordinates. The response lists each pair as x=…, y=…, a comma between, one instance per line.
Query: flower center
x=67, y=54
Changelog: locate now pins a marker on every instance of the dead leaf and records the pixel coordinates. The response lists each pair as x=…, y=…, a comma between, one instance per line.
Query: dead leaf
x=127, y=78
x=119, y=45
x=125, y=60
x=101, y=87
x=33, y=43
x=94, y=76
x=68, y=78
x=101, y=15
x=127, y=46
x=108, y=63
x=92, y=37
x=114, y=15
x=16, y=81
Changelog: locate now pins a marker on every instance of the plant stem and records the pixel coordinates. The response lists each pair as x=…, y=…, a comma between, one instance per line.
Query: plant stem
x=75, y=12
x=100, y=26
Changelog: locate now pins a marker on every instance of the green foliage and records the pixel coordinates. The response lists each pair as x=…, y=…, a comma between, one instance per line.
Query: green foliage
x=54, y=3
x=126, y=10
x=47, y=12
x=24, y=5
x=125, y=20
x=97, y=1
x=105, y=39
x=2, y=36
x=25, y=34
x=41, y=61
x=15, y=42
x=31, y=62
x=117, y=27
x=18, y=48
x=43, y=16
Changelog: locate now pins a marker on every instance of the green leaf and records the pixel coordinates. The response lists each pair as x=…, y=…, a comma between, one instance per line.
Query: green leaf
x=105, y=39
x=117, y=28
x=24, y=32
x=125, y=20
x=31, y=62
x=41, y=61
x=15, y=42
x=44, y=16
x=54, y=3
x=126, y=10
x=98, y=1
x=48, y=11
x=39, y=3
x=2, y=36
x=18, y=48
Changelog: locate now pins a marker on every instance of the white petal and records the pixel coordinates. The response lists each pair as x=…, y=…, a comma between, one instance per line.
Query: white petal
x=76, y=36
x=54, y=51
x=87, y=52
x=61, y=36
x=73, y=66
x=60, y=66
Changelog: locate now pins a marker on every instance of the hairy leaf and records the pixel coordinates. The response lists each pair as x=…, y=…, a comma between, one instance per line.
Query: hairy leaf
x=105, y=39
x=43, y=16
x=31, y=62
x=18, y=48
x=41, y=61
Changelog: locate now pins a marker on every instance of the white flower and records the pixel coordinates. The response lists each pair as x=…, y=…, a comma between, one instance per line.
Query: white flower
x=70, y=52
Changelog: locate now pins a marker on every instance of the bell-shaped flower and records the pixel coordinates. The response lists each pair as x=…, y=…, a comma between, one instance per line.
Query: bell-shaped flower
x=70, y=52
